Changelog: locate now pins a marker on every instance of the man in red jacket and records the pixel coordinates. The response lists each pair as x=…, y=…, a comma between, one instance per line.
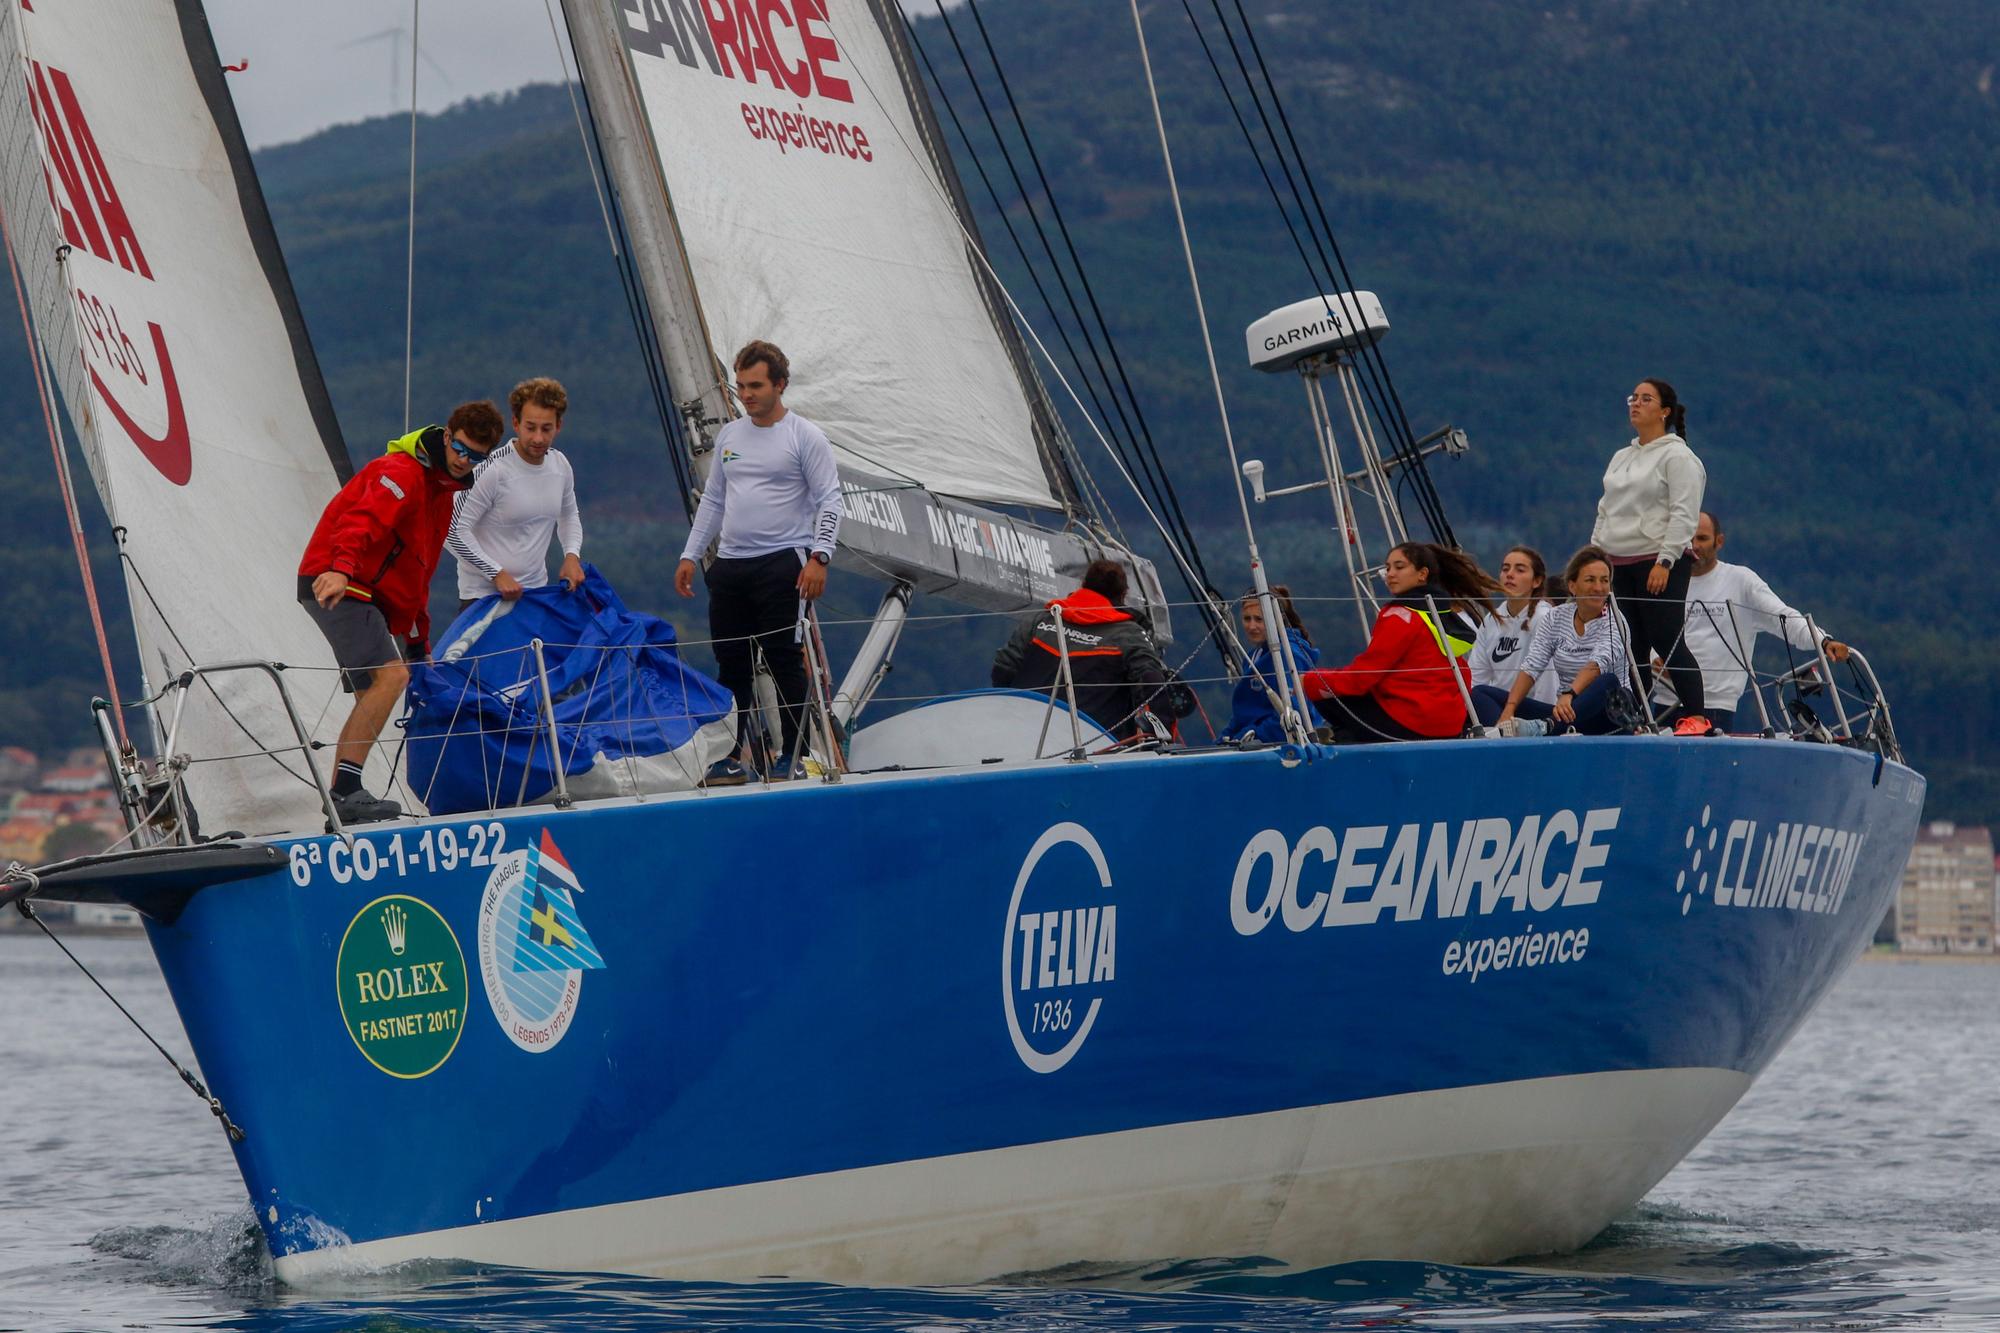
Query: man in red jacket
x=366, y=578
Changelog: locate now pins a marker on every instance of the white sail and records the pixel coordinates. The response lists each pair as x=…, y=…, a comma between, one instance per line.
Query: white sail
x=163, y=307
x=812, y=216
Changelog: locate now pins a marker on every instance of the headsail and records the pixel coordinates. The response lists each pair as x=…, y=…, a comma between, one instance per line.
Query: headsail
x=163, y=305
x=785, y=137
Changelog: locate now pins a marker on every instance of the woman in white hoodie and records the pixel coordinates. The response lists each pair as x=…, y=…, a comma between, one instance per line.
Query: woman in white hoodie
x=1645, y=523
x=1509, y=625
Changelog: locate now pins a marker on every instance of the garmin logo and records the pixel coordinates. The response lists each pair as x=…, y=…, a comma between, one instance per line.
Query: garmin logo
x=1332, y=324
x=1353, y=878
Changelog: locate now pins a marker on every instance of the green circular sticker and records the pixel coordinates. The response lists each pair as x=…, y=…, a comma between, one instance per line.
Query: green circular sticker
x=402, y=985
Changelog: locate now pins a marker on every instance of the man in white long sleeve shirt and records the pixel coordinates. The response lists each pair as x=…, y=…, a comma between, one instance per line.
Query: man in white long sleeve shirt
x=1728, y=606
x=525, y=494
x=773, y=508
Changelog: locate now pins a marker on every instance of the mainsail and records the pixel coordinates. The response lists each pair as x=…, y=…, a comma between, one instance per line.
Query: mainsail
x=162, y=304
x=782, y=178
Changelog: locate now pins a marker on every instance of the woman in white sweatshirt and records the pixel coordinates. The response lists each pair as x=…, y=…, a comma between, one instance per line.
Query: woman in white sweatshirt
x=1504, y=635
x=1645, y=523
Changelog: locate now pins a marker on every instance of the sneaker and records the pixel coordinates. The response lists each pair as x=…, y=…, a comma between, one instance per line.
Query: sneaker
x=787, y=769
x=1693, y=725
x=1524, y=726
x=361, y=806
x=725, y=773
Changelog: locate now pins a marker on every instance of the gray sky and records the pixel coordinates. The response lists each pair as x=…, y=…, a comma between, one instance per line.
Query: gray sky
x=326, y=63
x=304, y=75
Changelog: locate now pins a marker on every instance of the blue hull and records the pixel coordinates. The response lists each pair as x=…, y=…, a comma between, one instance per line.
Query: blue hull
x=684, y=997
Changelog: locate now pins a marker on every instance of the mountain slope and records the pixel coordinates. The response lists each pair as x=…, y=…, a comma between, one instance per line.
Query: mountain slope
x=1789, y=213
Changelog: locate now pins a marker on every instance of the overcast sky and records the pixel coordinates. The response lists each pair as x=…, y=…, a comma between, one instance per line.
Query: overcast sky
x=314, y=65
x=318, y=64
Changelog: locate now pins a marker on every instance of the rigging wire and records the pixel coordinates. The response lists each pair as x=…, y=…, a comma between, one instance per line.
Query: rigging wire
x=1402, y=438
x=1147, y=450
x=1055, y=367
x=44, y=392
x=1135, y=447
x=410, y=272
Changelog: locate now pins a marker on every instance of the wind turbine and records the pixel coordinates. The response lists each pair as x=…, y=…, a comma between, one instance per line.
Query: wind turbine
x=396, y=37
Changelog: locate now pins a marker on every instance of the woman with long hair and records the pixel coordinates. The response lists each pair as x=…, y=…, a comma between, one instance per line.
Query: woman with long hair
x=1509, y=624
x=1406, y=684
x=1645, y=527
x=1583, y=643
x=1250, y=710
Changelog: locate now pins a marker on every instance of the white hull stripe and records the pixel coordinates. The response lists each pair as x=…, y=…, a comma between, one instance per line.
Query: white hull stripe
x=1468, y=1175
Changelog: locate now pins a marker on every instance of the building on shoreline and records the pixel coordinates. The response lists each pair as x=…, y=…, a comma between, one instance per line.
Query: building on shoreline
x=1946, y=904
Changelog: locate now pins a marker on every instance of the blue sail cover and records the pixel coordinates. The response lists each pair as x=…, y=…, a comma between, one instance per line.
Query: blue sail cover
x=631, y=716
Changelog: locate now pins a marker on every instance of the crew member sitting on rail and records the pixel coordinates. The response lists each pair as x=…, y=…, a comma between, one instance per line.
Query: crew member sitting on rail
x=365, y=579
x=1408, y=684
x=1250, y=709
x=1728, y=606
x=1509, y=625
x=1113, y=662
x=1585, y=643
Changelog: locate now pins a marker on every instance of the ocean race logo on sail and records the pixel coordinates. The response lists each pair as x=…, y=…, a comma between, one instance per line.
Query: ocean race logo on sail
x=1058, y=948
x=787, y=44
x=533, y=947
x=1377, y=872
x=133, y=376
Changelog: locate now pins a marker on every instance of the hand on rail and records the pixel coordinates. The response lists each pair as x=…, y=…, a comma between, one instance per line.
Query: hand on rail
x=684, y=578
x=329, y=588
x=507, y=586
x=1835, y=649
x=571, y=573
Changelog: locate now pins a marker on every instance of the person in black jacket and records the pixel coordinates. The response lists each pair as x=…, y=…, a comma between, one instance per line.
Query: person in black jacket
x=1112, y=657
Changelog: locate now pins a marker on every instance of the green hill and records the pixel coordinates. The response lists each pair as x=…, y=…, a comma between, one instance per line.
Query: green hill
x=1789, y=212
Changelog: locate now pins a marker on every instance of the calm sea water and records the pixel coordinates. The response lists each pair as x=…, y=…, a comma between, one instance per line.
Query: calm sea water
x=1856, y=1187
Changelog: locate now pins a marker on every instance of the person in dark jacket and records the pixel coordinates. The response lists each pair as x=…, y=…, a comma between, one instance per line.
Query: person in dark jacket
x=1250, y=710
x=1402, y=686
x=365, y=579
x=1112, y=658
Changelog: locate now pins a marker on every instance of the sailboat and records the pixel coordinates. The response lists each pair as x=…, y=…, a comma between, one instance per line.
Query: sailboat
x=937, y=1021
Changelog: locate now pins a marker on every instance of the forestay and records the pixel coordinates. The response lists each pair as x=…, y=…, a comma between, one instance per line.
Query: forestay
x=812, y=216
x=164, y=309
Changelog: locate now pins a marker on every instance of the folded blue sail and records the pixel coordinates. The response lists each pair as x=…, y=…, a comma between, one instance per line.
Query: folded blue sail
x=630, y=715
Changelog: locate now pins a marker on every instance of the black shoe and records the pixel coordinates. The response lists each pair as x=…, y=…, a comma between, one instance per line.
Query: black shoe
x=725, y=773
x=360, y=806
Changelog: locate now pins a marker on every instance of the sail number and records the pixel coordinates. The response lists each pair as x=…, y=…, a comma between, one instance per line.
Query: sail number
x=444, y=848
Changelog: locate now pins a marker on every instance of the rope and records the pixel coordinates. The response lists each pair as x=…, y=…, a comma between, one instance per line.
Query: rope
x=63, y=480
x=215, y=1108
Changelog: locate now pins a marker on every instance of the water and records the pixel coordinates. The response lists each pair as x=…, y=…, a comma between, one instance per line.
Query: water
x=1852, y=1189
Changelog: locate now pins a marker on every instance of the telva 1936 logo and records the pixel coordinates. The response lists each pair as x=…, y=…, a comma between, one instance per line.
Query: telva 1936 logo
x=1059, y=949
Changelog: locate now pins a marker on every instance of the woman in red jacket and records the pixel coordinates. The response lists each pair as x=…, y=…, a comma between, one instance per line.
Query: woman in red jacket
x=1405, y=686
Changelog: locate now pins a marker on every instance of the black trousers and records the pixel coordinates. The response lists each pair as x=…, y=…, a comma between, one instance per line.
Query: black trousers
x=1657, y=624
x=756, y=600
x=1356, y=719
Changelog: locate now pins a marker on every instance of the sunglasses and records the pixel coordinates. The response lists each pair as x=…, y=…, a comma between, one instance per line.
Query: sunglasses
x=476, y=455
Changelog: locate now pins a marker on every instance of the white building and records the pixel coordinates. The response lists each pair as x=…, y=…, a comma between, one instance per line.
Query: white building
x=1946, y=904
